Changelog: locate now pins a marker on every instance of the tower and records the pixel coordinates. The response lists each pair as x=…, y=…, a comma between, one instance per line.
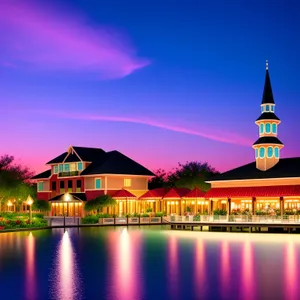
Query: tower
x=267, y=147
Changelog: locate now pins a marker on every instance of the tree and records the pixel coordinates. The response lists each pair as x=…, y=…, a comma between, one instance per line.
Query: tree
x=98, y=203
x=191, y=175
x=159, y=181
x=41, y=205
x=14, y=181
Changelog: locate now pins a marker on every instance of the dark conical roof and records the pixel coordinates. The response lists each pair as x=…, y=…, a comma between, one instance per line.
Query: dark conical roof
x=268, y=94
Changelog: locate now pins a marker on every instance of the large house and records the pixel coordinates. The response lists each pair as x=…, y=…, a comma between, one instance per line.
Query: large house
x=81, y=174
x=269, y=181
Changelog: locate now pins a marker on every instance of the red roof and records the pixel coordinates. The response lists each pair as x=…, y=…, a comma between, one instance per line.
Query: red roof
x=123, y=194
x=256, y=191
x=155, y=193
x=195, y=193
x=176, y=193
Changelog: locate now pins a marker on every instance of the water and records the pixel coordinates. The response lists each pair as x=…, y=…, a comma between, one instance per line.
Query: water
x=148, y=263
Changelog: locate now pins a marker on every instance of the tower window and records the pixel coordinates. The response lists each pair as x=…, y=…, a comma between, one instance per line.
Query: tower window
x=270, y=152
x=274, y=128
x=268, y=127
x=267, y=107
x=276, y=152
x=256, y=153
x=262, y=152
x=261, y=128
x=262, y=109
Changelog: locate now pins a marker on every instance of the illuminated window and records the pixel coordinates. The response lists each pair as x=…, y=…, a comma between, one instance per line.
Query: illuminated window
x=98, y=184
x=276, y=152
x=274, y=128
x=270, y=152
x=80, y=166
x=40, y=186
x=268, y=128
x=261, y=128
x=262, y=152
x=127, y=182
x=55, y=169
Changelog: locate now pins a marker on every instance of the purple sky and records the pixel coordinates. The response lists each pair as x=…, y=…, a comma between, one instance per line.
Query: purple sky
x=163, y=84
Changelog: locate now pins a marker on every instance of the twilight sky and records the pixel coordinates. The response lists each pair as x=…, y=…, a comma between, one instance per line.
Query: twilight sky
x=161, y=81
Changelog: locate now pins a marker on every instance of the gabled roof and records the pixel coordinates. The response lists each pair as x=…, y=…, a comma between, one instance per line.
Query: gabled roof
x=267, y=116
x=74, y=197
x=176, y=193
x=72, y=158
x=89, y=154
x=123, y=194
x=114, y=162
x=59, y=159
x=286, y=167
x=255, y=191
x=157, y=193
x=195, y=193
x=43, y=175
x=268, y=140
x=267, y=94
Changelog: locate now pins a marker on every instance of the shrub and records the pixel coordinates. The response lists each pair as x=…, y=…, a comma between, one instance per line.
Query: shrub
x=145, y=215
x=159, y=214
x=220, y=212
x=90, y=219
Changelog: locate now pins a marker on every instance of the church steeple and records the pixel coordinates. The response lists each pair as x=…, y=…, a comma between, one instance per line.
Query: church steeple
x=268, y=146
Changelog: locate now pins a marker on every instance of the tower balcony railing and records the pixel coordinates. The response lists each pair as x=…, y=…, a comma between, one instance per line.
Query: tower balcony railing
x=68, y=174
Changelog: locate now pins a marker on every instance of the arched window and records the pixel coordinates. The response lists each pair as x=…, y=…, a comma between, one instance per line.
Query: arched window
x=267, y=107
x=274, y=128
x=256, y=153
x=268, y=127
x=270, y=152
x=261, y=128
x=262, y=152
x=276, y=152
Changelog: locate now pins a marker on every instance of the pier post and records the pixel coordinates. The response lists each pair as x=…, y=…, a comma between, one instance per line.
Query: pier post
x=64, y=221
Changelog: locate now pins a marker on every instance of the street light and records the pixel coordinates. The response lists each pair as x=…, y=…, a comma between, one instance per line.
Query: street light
x=29, y=201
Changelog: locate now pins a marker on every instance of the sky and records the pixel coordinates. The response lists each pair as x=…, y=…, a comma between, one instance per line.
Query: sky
x=160, y=81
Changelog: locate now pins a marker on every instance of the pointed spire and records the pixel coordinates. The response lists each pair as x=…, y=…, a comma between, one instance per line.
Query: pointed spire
x=268, y=94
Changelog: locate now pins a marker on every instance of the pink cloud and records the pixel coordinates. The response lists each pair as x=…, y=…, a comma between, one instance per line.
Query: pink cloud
x=212, y=134
x=48, y=38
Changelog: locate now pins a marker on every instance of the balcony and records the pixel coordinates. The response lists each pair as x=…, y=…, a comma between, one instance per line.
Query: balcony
x=68, y=174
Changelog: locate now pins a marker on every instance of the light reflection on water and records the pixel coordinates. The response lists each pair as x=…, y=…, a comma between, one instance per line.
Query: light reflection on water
x=193, y=265
x=65, y=280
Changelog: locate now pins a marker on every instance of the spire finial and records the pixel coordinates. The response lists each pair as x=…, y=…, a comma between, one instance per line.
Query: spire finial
x=267, y=65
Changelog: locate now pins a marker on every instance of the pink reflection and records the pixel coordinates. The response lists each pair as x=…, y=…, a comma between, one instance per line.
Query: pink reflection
x=225, y=266
x=290, y=269
x=66, y=282
x=126, y=273
x=248, y=280
x=173, y=264
x=30, y=277
x=200, y=267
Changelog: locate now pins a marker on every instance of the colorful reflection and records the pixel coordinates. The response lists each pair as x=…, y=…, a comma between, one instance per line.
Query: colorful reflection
x=200, y=267
x=291, y=271
x=30, y=277
x=65, y=278
x=172, y=265
x=247, y=271
x=126, y=271
x=225, y=266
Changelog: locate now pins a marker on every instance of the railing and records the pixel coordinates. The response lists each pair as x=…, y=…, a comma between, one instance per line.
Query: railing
x=133, y=220
x=67, y=174
x=233, y=219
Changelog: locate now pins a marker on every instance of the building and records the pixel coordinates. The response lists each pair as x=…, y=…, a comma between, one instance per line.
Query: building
x=81, y=174
x=270, y=181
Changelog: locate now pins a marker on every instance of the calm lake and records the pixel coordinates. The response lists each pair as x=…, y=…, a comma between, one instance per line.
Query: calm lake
x=148, y=263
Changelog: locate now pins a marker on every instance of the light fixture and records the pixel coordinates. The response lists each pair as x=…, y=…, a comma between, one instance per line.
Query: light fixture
x=67, y=197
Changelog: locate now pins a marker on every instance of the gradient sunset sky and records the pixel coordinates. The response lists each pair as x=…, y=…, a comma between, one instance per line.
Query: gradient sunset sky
x=161, y=81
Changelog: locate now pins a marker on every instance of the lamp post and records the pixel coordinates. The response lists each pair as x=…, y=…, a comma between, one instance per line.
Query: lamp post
x=29, y=201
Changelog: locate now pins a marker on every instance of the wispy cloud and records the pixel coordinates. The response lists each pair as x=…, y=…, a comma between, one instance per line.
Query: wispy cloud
x=48, y=38
x=212, y=134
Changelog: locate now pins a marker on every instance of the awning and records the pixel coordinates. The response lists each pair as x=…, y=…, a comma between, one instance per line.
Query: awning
x=123, y=194
x=73, y=197
x=176, y=193
x=195, y=194
x=256, y=191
